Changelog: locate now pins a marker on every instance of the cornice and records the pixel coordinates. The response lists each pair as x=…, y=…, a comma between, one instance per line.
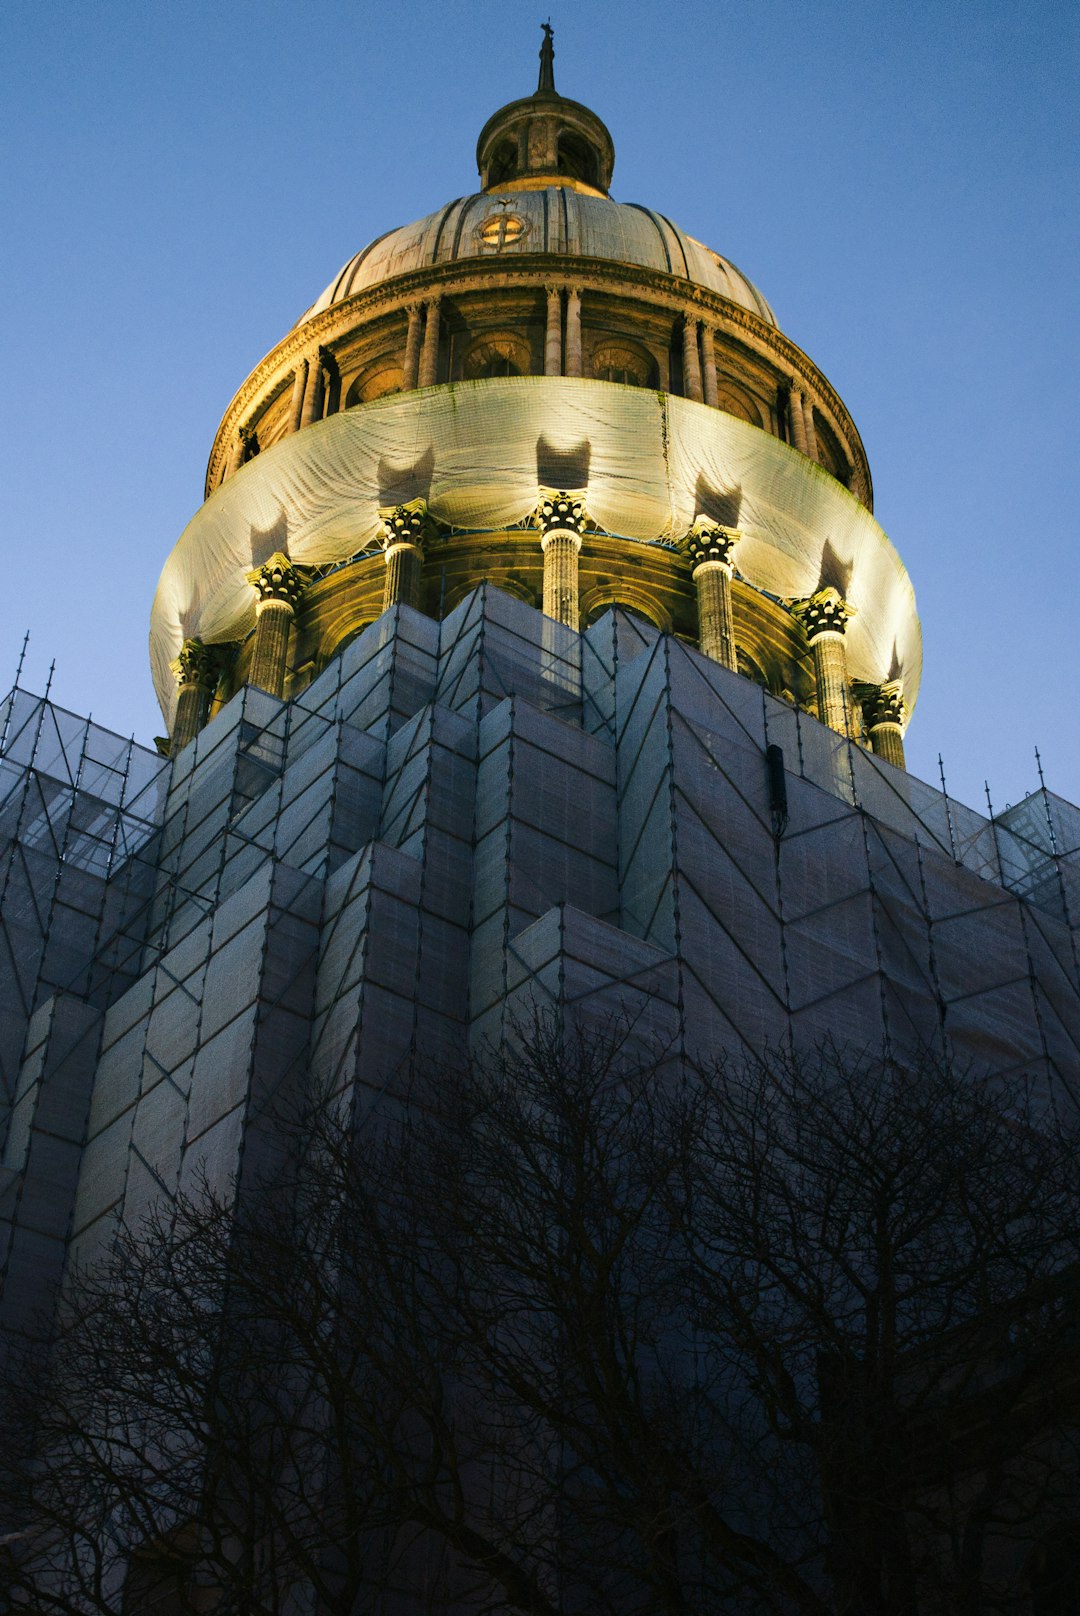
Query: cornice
x=536, y=271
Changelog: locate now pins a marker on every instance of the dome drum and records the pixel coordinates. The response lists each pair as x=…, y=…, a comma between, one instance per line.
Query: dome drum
x=538, y=336
x=362, y=346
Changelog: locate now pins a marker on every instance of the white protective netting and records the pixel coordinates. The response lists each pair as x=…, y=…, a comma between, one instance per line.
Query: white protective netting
x=478, y=450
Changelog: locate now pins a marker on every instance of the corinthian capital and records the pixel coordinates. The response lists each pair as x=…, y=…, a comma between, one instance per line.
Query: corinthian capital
x=560, y=511
x=882, y=704
x=198, y=666
x=826, y=612
x=406, y=524
x=710, y=542
x=279, y=580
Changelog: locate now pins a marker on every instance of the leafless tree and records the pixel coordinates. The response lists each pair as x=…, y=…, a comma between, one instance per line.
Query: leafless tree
x=572, y=1330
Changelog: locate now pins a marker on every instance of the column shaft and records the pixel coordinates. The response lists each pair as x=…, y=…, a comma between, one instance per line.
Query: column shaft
x=888, y=743
x=402, y=586
x=830, y=671
x=411, y=365
x=553, y=335
x=191, y=705
x=429, y=355
x=573, y=332
x=273, y=619
x=716, y=624
x=236, y=456
x=313, y=394
x=691, y=363
x=797, y=421
x=561, y=577
x=296, y=412
x=809, y=428
x=708, y=351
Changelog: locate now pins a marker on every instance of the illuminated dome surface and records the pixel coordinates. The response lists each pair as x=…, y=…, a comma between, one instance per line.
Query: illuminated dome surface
x=553, y=220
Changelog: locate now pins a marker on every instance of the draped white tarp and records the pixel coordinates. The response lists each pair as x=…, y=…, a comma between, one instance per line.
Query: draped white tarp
x=477, y=451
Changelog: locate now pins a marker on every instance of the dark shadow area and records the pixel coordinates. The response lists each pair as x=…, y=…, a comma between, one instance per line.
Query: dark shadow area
x=720, y=505
x=563, y=468
x=267, y=541
x=399, y=485
x=835, y=573
x=895, y=669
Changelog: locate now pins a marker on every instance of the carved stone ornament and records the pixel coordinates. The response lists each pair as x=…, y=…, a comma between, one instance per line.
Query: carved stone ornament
x=406, y=524
x=279, y=579
x=826, y=612
x=709, y=541
x=198, y=665
x=560, y=512
x=882, y=704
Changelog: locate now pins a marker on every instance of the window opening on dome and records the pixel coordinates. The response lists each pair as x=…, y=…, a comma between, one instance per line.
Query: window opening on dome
x=576, y=159
x=501, y=230
x=502, y=354
x=503, y=164
x=619, y=362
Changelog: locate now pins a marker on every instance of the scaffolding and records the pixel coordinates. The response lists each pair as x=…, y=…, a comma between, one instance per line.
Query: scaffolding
x=456, y=821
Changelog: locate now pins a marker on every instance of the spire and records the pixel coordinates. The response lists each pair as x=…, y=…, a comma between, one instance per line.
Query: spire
x=547, y=61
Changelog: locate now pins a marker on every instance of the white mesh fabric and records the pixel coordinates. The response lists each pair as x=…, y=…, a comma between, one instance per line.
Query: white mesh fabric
x=471, y=448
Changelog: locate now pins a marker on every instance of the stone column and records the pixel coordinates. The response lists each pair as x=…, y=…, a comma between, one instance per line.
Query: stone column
x=884, y=713
x=708, y=353
x=796, y=419
x=279, y=585
x=809, y=429
x=197, y=670
x=313, y=392
x=824, y=618
x=560, y=517
x=691, y=364
x=553, y=335
x=406, y=529
x=710, y=548
x=299, y=387
x=429, y=354
x=573, y=331
x=236, y=456
x=411, y=366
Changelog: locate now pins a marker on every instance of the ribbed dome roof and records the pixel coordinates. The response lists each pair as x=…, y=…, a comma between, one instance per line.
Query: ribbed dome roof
x=555, y=219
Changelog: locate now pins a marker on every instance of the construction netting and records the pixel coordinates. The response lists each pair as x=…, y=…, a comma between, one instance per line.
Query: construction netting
x=478, y=452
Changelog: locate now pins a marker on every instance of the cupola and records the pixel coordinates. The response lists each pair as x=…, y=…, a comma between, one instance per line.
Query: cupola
x=544, y=139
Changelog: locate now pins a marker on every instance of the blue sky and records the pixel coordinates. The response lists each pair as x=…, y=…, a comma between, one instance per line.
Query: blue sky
x=181, y=180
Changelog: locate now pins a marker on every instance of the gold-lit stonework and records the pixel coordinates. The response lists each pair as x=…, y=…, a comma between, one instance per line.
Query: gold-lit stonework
x=541, y=335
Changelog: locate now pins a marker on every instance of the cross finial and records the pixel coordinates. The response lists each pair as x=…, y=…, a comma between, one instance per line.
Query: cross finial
x=547, y=59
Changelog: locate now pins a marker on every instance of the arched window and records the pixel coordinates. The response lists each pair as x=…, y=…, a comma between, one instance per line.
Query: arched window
x=577, y=159
x=500, y=353
x=622, y=362
x=379, y=379
x=734, y=401
x=503, y=163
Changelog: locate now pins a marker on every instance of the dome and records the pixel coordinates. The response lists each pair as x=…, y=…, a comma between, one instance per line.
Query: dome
x=550, y=219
